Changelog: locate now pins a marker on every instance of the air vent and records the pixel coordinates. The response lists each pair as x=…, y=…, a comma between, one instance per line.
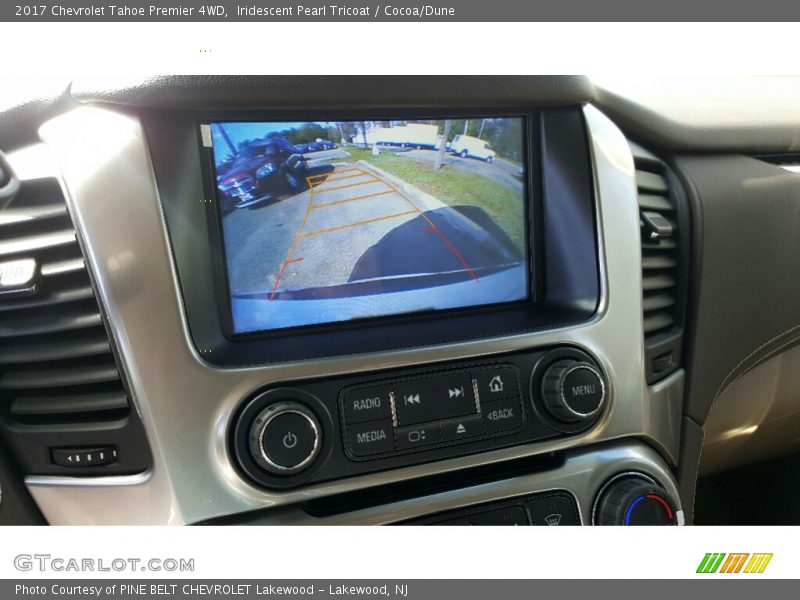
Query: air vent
x=59, y=381
x=659, y=231
x=663, y=269
x=56, y=363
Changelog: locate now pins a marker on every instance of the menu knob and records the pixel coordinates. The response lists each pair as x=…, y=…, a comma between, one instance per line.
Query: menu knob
x=573, y=390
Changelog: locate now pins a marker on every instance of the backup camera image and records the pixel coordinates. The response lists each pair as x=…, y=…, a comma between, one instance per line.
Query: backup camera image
x=331, y=221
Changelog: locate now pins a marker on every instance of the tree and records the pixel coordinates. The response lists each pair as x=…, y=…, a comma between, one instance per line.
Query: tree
x=348, y=130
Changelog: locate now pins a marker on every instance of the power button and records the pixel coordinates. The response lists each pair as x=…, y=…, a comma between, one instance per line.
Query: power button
x=285, y=438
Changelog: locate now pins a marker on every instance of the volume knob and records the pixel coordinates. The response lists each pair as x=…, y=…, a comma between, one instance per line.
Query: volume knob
x=573, y=390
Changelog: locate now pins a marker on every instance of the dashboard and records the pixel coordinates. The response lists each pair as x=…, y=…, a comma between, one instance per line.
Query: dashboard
x=457, y=300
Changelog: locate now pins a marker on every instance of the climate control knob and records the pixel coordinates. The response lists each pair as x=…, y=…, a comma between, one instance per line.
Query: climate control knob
x=285, y=438
x=573, y=390
x=634, y=500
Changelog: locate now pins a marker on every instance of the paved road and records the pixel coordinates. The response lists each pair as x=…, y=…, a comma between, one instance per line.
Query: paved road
x=257, y=239
x=315, y=238
x=501, y=171
x=348, y=213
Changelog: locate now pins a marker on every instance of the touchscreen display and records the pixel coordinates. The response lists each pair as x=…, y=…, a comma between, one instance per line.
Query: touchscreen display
x=331, y=221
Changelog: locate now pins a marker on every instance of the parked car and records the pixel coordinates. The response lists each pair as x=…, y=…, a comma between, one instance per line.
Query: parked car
x=318, y=145
x=468, y=146
x=262, y=171
x=315, y=146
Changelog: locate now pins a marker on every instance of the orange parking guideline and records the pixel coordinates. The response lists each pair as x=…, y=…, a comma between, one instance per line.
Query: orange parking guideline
x=320, y=178
x=326, y=177
x=303, y=224
x=355, y=198
x=339, y=171
x=440, y=233
x=329, y=179
x=350, y=185
x=356, y=224
x=288, y=260
x=407, y=199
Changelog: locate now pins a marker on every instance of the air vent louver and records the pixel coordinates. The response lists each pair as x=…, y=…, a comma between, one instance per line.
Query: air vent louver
x=659, y=251
x=56, y=364
x=664, y=225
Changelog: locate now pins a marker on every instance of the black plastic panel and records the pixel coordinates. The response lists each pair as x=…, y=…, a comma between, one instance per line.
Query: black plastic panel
x=552, y=509
x=337, y=460
x=568, y=228
x=32, y=446
x=333, y=91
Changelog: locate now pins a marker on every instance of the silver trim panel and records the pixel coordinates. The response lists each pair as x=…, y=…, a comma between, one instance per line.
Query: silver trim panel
x=583, y=474
x=186, y=404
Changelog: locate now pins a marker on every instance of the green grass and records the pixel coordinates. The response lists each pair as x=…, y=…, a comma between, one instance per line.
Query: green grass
x=454, y=188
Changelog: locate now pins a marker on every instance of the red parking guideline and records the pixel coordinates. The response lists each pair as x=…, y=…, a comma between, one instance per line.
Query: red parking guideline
x=454, y=250
x=280, y=274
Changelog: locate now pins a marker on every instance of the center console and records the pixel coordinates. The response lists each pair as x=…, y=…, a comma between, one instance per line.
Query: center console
x=377, y=314
x=320, y=430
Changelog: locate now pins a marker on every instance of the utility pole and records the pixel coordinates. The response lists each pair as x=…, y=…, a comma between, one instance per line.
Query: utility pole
x=483, y=124
x=221, y=128
x=440, y=156
x=466, y=126
x=364, y=132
